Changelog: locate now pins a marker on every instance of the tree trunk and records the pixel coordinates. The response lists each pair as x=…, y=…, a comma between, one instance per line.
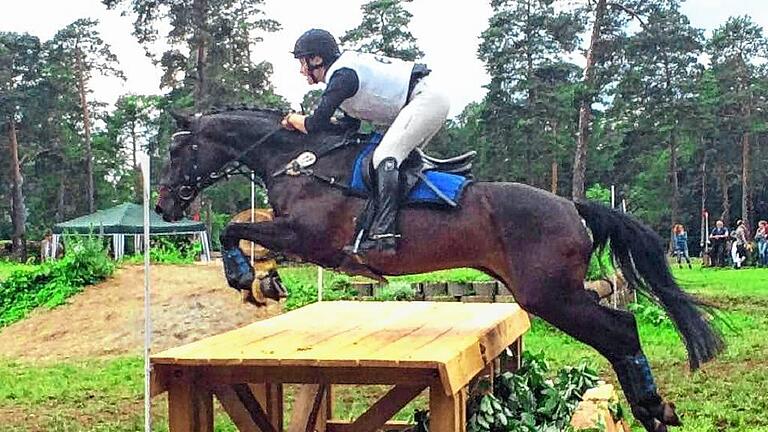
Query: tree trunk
x=553, y=186
x=89, y=188
x=675, y=197
x=60, y=216
x=746, y=190
x=18, y=209
x=585, y=107
x=722, y=180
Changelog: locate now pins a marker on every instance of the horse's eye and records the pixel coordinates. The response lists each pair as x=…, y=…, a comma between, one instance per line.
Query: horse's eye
x=186, y=192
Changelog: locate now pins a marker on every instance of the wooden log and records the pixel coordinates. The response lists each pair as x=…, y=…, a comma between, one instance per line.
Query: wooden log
x=477, y=299
x=434, y=289
x=502, y=289
x=418, y=290
x=485, y=288
x=504, y=299
x=364, y=289
x=442, y=298
x=458, y=289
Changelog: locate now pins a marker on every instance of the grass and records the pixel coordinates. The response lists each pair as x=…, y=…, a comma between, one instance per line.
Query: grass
x=726, y=395
x=8, y=267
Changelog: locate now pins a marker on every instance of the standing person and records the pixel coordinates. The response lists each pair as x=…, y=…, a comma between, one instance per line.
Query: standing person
x=384, y=91
x=680, y=238
x=739, y=246
x=761, y=237
x=46, y=247
x=718, y=236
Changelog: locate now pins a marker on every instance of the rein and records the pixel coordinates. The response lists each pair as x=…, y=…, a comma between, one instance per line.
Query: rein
x=300, y=165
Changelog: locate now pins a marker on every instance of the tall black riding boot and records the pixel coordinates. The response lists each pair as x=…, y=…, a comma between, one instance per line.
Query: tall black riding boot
x=383, y=233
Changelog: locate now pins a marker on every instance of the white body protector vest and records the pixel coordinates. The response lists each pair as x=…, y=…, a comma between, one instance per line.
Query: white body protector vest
x=383, y=87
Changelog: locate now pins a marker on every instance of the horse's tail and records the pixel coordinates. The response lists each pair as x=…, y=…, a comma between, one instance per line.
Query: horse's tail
x=639, y=252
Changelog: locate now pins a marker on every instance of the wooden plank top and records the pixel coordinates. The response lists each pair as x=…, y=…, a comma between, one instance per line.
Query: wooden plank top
x=456, y=339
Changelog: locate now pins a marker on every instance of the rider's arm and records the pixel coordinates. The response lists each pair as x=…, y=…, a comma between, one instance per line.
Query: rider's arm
x=342, y=85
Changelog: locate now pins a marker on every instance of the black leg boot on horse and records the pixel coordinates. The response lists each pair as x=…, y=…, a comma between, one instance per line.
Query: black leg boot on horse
x=382, y=236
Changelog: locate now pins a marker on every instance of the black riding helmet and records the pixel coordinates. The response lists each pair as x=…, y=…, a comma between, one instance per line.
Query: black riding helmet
x=317, y=42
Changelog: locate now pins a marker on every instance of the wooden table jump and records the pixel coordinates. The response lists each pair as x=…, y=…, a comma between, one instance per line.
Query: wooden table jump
x=410, y=345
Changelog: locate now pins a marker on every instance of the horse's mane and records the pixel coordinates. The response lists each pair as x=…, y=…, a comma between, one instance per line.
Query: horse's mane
x=245, y=108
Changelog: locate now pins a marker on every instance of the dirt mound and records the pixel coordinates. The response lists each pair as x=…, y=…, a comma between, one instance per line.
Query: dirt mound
x=188, y=303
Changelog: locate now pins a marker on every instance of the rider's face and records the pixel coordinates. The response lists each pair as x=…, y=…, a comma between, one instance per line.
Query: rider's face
x=313, y=76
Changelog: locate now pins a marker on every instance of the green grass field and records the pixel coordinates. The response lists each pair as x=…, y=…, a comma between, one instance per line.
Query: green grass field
x=726, y=395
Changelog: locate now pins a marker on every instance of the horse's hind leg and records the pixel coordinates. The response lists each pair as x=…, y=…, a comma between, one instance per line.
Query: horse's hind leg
x=559, y=298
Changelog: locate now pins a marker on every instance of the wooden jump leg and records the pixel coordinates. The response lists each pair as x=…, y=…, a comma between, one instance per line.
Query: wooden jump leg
x=447, y=413
x=190, y=406
x=310, y=409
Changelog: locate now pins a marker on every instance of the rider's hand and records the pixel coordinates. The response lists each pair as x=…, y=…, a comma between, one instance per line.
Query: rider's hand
x=294, y=121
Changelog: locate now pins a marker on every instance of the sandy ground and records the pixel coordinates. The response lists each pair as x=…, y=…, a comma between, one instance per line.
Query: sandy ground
x=188, y=303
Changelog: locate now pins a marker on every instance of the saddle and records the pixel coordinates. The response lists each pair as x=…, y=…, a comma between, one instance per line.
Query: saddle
x=416, y=167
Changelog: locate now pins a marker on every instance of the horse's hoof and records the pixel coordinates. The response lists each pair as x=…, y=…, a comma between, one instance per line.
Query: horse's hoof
x=669, y=416
x=657, y=418
x=272, y=288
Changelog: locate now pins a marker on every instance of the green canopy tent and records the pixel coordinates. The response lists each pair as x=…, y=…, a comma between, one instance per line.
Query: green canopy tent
x=128, y=219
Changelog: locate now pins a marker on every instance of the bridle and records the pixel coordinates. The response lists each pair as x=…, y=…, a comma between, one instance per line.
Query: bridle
x=194, y=181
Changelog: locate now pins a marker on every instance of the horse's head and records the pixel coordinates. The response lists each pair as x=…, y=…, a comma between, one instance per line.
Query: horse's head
x=205, y=147
x=195, y=163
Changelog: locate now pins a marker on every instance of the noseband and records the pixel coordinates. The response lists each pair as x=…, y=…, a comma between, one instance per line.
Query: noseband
x=194, y=181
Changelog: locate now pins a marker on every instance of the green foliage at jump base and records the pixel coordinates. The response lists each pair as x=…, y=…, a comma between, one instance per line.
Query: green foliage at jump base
x=530, y=400
x=52, y=283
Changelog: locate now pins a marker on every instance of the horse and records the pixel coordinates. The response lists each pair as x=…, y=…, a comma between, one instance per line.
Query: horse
x=534, y=242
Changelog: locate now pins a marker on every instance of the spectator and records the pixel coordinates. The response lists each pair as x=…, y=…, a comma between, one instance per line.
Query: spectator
x=718, y=236
x=761, y=237
x=739, y=246
x=46, y=247
x=681, y=245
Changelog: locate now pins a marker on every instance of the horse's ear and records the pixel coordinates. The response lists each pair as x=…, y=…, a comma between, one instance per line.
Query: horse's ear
x=183, y=121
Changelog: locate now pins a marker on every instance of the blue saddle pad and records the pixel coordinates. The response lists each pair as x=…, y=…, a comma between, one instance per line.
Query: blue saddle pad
x=451, y=185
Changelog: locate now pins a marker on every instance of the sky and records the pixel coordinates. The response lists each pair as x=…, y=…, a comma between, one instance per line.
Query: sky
x=447, y=32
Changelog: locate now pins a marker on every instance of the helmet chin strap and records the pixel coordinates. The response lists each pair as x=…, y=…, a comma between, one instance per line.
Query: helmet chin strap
x=311, y=70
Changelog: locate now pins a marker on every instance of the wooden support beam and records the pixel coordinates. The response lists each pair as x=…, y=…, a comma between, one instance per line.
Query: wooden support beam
x=381, y=411
x=447, y=413
x=243, y=408
x=307, y=408
x=190, y=406
x=270, y=397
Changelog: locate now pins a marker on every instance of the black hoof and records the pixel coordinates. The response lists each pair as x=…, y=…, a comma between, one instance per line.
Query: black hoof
x=272, y=287
x=657, y=418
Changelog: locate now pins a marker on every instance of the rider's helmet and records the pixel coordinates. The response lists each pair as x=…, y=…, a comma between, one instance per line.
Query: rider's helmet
x=317, y=42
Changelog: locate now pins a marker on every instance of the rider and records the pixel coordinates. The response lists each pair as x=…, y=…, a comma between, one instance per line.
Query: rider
x=384, y=91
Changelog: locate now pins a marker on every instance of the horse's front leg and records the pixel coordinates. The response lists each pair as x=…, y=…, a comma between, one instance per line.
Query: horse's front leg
x=277, y=235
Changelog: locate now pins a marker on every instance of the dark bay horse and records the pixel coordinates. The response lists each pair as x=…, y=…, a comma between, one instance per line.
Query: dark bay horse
x=536, y=243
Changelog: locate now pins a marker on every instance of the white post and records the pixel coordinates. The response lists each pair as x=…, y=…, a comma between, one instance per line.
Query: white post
x=54, y=246
x=147, y=303
x=319, y=284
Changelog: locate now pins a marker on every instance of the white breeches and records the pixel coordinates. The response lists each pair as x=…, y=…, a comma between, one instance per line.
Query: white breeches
x=416, y=124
